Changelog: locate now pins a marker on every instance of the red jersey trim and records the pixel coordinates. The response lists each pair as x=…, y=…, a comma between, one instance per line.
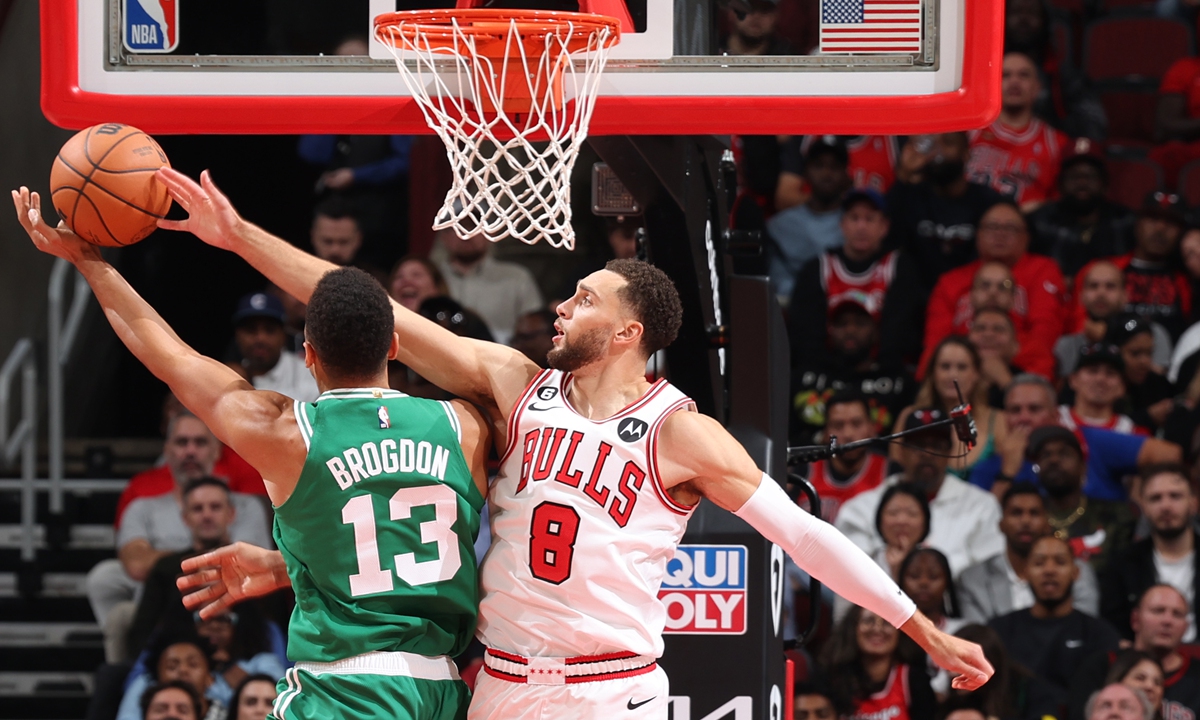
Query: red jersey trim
x=652, y=455
x=514, y=417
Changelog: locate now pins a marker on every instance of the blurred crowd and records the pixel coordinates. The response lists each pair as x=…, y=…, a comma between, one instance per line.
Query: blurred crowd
x=1040, y=269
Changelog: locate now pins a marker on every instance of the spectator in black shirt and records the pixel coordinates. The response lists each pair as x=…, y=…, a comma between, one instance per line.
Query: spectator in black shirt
x=1168, y=556
x=887, y=280
x=1149, y=396
x=1082, y=225
x=1052, y=637
x=1155, y=287
x=850, y=363
x=1159, y=620
x=935, y=209
x=1013, y=693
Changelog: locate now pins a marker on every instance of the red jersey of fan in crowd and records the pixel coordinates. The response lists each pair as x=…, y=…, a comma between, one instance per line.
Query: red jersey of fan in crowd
x=1182, y=78
x=834, y=492
x=890, y=703
x=867, y=288
x=872, y=160
x=158, y=480
x=1037, y=311
x=1021, y=163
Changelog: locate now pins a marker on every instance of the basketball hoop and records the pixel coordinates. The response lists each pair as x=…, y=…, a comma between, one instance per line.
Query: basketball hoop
x=503, y=91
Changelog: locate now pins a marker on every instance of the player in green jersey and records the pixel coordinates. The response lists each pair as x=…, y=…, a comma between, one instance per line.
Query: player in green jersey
x=377, y=495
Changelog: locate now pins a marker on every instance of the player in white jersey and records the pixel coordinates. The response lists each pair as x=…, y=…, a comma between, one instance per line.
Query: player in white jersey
x=569, y=637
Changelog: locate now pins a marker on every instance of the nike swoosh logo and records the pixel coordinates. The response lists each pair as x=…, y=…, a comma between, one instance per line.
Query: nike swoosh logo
x=534, y=408
x=634, y=706
x=1074, y=643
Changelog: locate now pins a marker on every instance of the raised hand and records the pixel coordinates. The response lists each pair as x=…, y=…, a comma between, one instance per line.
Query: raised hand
x=211, y=217
x=228, y=575
x=60, y=241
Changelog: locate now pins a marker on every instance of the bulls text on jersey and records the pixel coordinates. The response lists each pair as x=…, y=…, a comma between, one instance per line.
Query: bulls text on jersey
x=549, y=454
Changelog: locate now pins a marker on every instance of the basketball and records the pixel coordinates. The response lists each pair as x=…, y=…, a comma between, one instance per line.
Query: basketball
x=103, y=187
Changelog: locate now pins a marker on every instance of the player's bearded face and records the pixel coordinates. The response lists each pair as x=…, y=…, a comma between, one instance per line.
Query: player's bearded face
x=579, y=349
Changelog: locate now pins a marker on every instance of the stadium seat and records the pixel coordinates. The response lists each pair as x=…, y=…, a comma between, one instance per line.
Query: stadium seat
x=1128, y=46
x=1060, y=39
x=1130, y=107
x=1130, y=178
x=1189, y=183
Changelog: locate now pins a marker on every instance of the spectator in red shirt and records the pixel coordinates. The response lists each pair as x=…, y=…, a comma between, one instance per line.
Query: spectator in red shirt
x=1018, y=154
x=1155, y=286
x=1003, y=237
x=1067, y=100
x=227, y=465
x=1177, y=122
x=848, y=418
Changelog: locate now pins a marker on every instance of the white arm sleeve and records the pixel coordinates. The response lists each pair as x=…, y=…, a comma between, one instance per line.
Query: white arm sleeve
x=825, y=553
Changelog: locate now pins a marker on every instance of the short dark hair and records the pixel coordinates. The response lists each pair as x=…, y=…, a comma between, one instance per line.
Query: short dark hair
x=237, y=694
x=176, y=635
x=350, y=323
x=652, y=297
x=1153, y=471
x=912, y=491
x=1021, y=488
x=206, y=481
x=847, y=396
x=193, y=696
x=335, y=207
x=811, y=687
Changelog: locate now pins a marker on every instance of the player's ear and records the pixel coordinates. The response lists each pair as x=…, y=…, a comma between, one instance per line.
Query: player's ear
x=310, y=356
x=394, y=348
x=631, y=332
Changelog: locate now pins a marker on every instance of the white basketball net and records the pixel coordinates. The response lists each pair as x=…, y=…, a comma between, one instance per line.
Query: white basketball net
x=511, y=173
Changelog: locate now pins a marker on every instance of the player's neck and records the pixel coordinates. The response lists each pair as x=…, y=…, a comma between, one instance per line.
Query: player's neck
x=603, y=392
x=325, y=383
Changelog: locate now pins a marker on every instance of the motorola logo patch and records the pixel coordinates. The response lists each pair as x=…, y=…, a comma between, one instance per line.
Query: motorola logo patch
x=632, y=430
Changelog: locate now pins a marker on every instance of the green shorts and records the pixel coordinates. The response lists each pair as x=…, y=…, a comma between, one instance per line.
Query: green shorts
x=365, y=696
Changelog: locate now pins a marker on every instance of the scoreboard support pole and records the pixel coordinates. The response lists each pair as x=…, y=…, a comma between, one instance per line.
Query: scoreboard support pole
x=724, y=589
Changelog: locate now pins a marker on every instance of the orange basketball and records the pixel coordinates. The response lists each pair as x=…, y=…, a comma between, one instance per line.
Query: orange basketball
x=102, y=184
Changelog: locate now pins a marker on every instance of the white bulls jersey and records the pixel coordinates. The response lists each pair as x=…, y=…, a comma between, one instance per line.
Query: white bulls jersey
x=582, y=528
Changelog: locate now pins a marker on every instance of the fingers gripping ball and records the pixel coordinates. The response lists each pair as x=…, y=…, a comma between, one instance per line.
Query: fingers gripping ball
x=103, y=186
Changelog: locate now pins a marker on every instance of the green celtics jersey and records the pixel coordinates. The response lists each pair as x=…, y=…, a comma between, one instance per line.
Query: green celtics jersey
x=379, y=533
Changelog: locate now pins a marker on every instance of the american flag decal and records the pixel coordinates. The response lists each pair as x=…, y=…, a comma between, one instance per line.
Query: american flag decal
x=871, y=26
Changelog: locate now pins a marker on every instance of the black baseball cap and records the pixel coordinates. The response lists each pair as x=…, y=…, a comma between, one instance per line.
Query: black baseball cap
x=1047, y=433
x=1101, y=353
x=925, y=418
x=1166, y=206
x=827, y=145
x=257, y=305
x=1123, y=326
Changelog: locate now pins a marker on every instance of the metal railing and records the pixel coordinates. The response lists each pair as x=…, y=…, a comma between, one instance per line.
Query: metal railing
x=60, y=340
x=22, y=440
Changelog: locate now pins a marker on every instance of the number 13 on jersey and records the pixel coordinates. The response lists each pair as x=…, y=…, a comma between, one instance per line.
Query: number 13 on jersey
x=371, y=578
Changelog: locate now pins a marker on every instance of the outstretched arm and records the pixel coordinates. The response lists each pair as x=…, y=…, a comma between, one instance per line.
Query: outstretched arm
x=255, y=424
x=490, y=375
x=699, y=458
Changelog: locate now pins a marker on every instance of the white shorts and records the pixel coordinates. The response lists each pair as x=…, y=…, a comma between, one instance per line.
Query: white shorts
x=641, y=697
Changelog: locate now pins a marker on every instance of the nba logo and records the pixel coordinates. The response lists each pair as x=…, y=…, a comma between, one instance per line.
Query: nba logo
x=151, y=26
x=384, y=421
